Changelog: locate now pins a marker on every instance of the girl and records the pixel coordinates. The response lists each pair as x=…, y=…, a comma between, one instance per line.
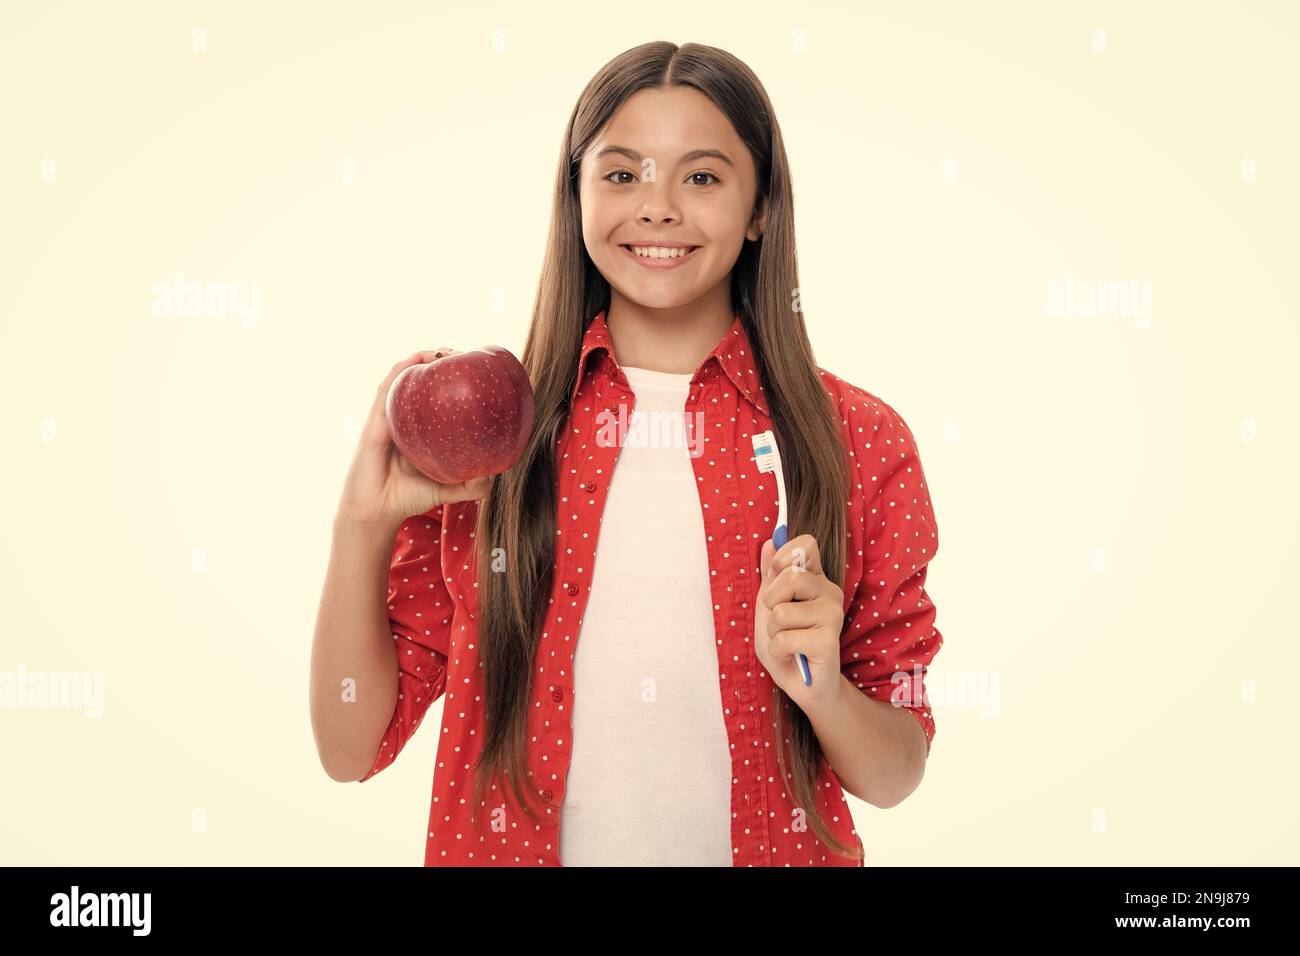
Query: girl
x=614, y=630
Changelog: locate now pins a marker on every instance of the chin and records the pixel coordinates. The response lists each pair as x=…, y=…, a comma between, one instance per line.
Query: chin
x=657, y=302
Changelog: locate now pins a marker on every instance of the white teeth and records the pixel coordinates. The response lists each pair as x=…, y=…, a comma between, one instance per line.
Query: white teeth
x=659, y=252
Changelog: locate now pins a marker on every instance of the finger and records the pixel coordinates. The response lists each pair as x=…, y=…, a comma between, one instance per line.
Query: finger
x=466, y=490
x=801, y=551
x=806, y=640
x=790, y=615
x=794, y=585
x=764, y=559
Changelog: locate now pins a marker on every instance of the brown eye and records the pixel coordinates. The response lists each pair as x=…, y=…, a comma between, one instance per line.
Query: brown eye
x=693, y=175
x=621, y=172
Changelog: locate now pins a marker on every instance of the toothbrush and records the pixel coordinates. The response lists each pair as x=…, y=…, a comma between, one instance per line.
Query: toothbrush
x=768, y=458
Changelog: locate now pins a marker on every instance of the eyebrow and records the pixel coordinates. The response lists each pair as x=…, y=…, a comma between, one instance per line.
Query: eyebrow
x=693, y=155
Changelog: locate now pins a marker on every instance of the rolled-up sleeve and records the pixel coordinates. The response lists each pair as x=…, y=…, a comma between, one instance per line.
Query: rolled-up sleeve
x=889, y=636
x=420, y=619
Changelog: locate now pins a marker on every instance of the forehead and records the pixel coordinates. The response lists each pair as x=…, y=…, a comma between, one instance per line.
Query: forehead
x=665, y=123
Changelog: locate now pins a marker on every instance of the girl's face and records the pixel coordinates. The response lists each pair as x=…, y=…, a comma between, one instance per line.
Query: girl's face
x=667, y=171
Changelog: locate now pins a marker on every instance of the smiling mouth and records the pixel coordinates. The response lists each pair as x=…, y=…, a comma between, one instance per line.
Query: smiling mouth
x=660, y=255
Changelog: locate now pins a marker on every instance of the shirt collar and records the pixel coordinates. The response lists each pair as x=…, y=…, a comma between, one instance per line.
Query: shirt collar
x=733, y=353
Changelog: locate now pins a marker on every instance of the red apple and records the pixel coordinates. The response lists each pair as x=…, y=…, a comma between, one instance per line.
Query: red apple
x=462, y=416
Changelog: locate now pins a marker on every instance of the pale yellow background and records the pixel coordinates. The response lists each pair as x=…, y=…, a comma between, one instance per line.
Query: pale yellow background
x=1115, y=499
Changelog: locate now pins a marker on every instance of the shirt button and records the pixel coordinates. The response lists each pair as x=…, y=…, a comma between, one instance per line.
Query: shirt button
x=588, y=486
x=557, y=694
x=546, y=795
x=571, y=588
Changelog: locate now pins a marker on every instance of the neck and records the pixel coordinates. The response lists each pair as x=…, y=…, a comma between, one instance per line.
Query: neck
x=666, y=340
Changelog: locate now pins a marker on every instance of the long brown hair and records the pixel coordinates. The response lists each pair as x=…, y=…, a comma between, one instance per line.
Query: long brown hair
x=518, y=512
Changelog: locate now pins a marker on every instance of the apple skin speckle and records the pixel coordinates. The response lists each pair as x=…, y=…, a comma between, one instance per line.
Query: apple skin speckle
x=462, y=416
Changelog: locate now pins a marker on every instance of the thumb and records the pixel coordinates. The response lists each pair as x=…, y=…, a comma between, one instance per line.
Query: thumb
x=765, y=559
x=468, y=490
x=478, y=487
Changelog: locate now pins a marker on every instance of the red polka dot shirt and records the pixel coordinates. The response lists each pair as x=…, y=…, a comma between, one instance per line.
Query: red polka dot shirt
x=889, y=623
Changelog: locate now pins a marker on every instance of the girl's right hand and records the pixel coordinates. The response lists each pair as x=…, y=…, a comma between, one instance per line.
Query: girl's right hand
x=382, y=487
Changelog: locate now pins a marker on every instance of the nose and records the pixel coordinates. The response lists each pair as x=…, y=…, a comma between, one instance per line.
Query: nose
x=659, y=205
x=654, y=217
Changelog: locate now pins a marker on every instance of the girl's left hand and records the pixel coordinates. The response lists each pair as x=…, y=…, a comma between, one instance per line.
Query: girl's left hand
x=799, y=610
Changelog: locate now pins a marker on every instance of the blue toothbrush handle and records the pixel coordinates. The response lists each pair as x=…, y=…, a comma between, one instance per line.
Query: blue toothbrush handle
x=779, y=537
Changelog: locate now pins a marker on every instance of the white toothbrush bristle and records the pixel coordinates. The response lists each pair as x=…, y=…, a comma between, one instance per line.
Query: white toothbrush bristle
x=765, y=450
x=768, y=459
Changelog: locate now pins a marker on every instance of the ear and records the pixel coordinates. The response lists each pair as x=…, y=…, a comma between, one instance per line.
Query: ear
x=758, y=222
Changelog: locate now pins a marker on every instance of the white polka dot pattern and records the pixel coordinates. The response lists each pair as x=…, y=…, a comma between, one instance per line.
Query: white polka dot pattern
x=889, y=619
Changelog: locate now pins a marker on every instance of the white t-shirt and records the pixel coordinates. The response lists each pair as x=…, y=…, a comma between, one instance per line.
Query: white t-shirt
x=650, y=778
